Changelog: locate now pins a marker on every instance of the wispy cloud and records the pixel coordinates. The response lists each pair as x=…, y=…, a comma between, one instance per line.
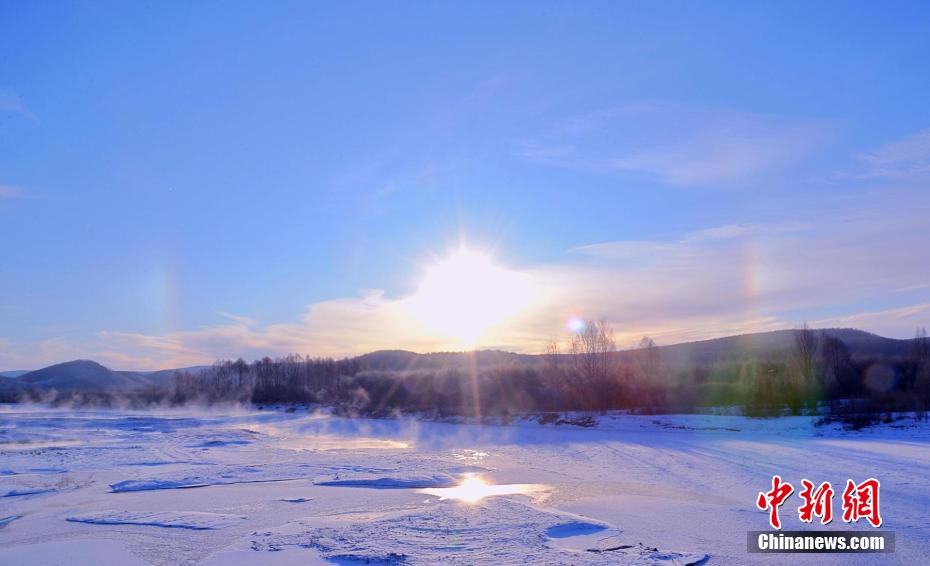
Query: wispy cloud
x=681, y=246
x=9, y=191
x=908, y=158
x=236, y=318
x=11, y=102
x=338, y=327
x=678, y=144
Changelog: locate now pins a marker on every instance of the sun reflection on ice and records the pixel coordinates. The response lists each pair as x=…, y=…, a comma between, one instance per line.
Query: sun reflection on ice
x=336, y=442
x=474, y=489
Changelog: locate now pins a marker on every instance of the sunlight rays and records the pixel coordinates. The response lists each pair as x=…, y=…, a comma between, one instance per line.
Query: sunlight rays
x=466, y=294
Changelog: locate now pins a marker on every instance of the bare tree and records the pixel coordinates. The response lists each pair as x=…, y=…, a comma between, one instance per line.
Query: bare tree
x=552, y=354
x=805, y=348
x=648, y=359
x=921, y=352
x=838, y=373
x=921, y=346
x=592, y=349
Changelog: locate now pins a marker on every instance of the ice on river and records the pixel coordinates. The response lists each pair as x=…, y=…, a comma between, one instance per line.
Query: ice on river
x=237, y=486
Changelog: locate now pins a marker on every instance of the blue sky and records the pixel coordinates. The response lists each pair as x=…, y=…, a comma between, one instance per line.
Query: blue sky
x=181, y=182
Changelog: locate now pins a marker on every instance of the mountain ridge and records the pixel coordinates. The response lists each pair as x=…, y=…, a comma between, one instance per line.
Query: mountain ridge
x=89, y=375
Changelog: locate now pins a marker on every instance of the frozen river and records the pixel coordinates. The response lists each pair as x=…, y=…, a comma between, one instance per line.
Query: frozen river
x=272, y=487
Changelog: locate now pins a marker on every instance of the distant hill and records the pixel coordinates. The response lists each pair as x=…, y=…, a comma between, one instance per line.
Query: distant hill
x=160, y=377
x=87, y=375
x=399, y=360
x=83, y=375
x=776, y=344
x=14, y=373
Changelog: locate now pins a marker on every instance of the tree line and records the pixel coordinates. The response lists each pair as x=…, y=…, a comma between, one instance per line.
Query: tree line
x=584, y=372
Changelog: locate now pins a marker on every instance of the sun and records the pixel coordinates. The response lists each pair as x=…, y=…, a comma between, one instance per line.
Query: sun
x=465, y=295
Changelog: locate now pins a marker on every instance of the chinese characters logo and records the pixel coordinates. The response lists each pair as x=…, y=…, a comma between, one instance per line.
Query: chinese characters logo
x=860, y=501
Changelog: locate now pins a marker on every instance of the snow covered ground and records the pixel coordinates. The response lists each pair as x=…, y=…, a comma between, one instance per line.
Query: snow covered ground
x=239, y=486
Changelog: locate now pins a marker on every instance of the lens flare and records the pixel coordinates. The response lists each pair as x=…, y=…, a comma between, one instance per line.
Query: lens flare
x=575, y=324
